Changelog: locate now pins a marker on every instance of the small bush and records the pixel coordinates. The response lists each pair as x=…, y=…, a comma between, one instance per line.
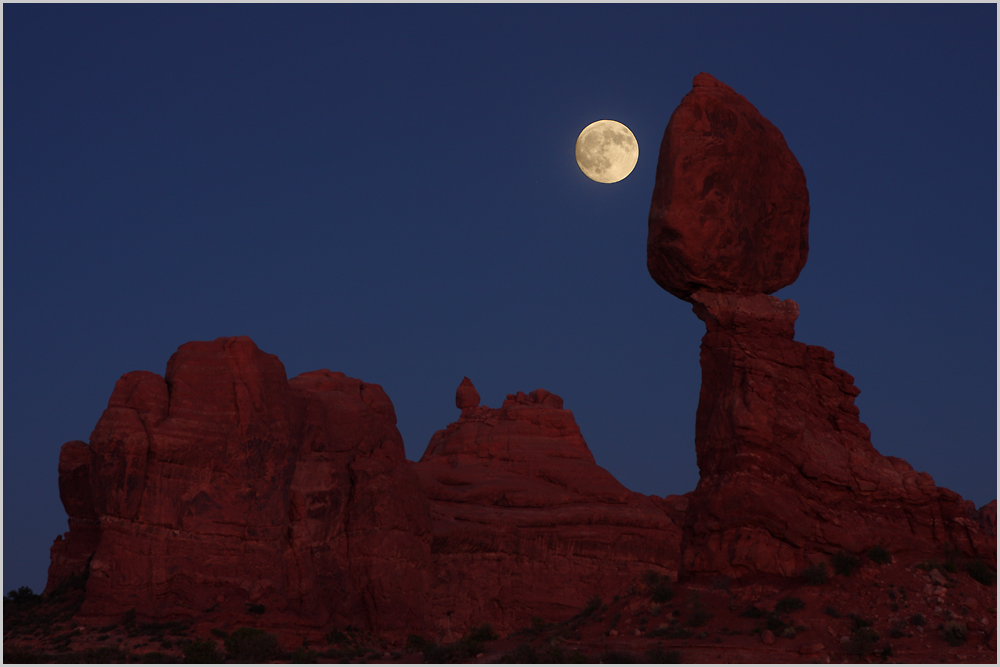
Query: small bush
x=658, y=656
x=256, y=609
x=918, y=619
x=789, y=604
x=775, y=624
x=879, y=555
x=335, y=636
x=698, y=617
x=616, y=657
x=414, y=643
x=898, y=630
x=661, y=593
x=221, y=634
x=128, y=620
x=304, y=656
x=753, y=612
x=831, y=611
x=981, y=572
x=861, y=643
x=14, y=654
x=522, y=655
x=155, y=658
x=614, y=620
x=484, y=633
x=592, y=605
x=202, y=651
x=815, y=575
x=538, y=625
x=859, y=622
x=954, y=633
x=929, y=564
x=252, y=645
x=844, y=563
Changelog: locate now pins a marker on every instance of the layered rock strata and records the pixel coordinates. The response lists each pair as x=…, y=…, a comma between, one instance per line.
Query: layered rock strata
x=525, y=522
x=224, y=487
x=788, y=471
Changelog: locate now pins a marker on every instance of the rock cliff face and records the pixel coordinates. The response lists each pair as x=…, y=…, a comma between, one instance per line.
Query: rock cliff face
x=224, y=485
x=525, y=522
x=788, y=471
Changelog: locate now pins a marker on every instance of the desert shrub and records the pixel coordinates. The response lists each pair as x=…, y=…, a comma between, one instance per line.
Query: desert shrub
x=21, y=599
x=789, y=604
x=252, y=645
x=753, y=612
x=898, y=630
x=859, y=622
x=616, y=657
x=538, y=625
x=304, y=656
x=658, y=586
x=789, y=632
x=522, y=655
x=256, y=609
x=102, y=655
x=592, y=605
x=128, y=620
x=413, y=643
x=954, y=633
x=655, y=609
x=831, y=611
x=614, y=620
x=844, y=563
x=221, y=634
x=918, y=619
x=484, y=633
x=981, y=572
x=815, y=574
x=885, y=652
x=155, y=658
x=15, y=654
x=775, y=624
x=335, y=636
x=861, y=643
x=658, y=656
x=879, y=554
x=698, y=617
x=929, y=564
x=202, y=651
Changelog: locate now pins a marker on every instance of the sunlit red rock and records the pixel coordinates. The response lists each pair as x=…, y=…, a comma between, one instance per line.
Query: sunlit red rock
x=730, y=209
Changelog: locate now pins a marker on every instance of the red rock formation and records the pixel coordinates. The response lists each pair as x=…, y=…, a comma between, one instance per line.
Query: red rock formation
x=730, y=209
x=788, y=471
x=525, y=522
x=225, y=485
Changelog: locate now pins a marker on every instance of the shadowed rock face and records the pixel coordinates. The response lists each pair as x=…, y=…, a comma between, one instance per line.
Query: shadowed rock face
x=730, y=210
x=526, y=523
x=788, y=471
x=224, y=485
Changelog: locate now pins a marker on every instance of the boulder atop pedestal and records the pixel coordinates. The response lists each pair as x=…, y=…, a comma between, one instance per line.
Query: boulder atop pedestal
x=730, y=209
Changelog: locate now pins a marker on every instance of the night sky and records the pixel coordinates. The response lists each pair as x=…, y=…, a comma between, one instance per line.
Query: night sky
x=391, y=192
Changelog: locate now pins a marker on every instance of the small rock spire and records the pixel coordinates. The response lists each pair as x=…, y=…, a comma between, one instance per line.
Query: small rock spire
x=466, y=398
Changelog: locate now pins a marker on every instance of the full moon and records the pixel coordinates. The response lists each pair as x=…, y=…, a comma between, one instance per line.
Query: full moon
x=606, y=151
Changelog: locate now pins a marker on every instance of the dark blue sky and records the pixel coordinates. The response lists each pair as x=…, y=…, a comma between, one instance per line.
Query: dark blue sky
x=391, y=192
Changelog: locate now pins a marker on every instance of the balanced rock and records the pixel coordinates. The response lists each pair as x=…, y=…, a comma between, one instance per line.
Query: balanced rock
x=730, y=209
x=788, y=471
x=525, y=522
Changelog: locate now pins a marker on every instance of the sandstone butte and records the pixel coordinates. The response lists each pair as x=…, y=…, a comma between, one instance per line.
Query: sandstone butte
x=223, y=484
